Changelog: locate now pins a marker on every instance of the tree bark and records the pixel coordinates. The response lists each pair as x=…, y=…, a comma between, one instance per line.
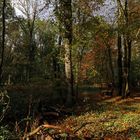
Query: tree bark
x=3, y=40
x=120, y=72
x=129, y=42
x=125, y=69
x=69, y=72
x=66, y=20
x=127, y=52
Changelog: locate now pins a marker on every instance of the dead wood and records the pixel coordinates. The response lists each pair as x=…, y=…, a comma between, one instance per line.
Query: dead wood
x=34, y=132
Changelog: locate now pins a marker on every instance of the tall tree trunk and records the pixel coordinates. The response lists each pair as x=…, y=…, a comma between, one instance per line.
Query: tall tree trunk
x=3, y=40
x=125, y=69
x=121, y=75
x=69, y=72
x=127, y=52
x=129, y=42
x=66, y=20
x=120, y=72
x=59, y=53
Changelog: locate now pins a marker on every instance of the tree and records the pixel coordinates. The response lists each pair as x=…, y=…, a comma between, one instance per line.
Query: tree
x=3, y=39
x=83, y=15
x=125, y=40
x=30, y=11
x=119, y=44
x=66, y=23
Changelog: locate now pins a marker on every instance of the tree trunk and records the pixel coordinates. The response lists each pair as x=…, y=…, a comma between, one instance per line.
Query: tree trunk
x=127, y=52
x=129, y=42
x=66, y=21
x=120, y=73
x=3, y=40
x=69, y=72
x=67, y=59
x=125, y=69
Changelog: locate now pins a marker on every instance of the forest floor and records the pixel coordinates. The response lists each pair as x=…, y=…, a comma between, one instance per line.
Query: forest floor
x=106, y=118
x=94, y=117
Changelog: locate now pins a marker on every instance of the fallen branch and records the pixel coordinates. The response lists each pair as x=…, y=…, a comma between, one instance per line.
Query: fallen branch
x=40, y=128
x=52, y=126
x=61, y=130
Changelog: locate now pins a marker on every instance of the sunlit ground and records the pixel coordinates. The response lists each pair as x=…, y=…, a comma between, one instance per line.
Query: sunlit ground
x=111, y=119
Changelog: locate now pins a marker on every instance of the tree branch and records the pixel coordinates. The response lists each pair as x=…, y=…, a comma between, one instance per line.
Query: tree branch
x=41, y=128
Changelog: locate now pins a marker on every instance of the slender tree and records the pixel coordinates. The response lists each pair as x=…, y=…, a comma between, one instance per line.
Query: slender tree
x=3, y=39
x=128, y=46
